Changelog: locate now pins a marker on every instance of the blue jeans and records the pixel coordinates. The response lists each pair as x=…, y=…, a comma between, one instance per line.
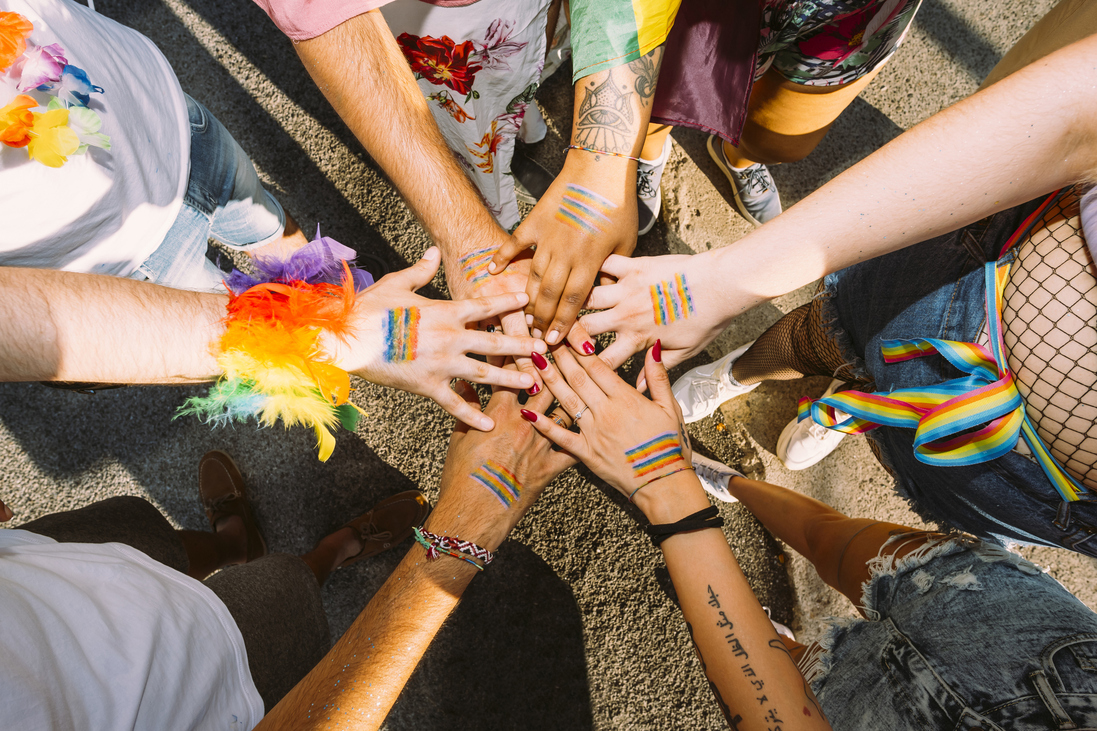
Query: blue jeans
x=961, y=635
x=224, y=200
x=935, y=289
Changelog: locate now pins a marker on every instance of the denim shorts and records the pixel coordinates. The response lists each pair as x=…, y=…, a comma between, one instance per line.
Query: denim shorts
x=935, y=289
x=962, y=635
x=224, y=200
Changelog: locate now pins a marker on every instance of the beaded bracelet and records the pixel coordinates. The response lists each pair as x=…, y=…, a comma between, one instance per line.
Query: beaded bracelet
x=601, y=152
x=466, y=551
x=274, y=363
x=654, y=479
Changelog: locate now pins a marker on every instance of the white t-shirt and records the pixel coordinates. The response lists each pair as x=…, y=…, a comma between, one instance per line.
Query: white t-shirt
x=104, y=211
x=101, y=637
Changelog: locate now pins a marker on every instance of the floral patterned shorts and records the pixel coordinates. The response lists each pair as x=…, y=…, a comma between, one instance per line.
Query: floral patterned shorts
x=479, y=67
x=830, y=42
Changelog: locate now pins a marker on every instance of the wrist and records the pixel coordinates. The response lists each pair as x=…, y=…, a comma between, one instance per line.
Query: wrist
x=671, y=498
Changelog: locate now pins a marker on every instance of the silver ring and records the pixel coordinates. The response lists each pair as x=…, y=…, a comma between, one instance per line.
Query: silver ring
x=559, y=422
x=579, y=415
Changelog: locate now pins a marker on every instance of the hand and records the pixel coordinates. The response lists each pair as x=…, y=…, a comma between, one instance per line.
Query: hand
x=469, y=508
x=650, y=303
x=468, y=277
x=417, y=344
x=625, y=438
x=587, y=214
x=5, y=513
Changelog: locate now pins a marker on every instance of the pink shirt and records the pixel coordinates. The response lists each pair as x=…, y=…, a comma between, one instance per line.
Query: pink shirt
x=304, y=19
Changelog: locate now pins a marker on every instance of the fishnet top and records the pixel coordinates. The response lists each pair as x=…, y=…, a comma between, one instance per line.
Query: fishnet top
x=1049, y=318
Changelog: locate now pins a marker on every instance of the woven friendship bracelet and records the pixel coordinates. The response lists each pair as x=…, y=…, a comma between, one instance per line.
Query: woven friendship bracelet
x=707, y=518
x=656, y=479
x=601, y=152
x=467, y=551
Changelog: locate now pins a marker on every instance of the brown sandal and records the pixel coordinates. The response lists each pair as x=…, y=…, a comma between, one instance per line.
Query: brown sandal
x=389, y=522
x=223, y=494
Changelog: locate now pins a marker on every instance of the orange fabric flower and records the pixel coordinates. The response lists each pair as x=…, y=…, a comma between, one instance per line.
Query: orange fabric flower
x=16, y=120
x=14, y=30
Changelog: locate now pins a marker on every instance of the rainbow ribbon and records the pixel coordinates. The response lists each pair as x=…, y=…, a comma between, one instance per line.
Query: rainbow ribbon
x=943, y=414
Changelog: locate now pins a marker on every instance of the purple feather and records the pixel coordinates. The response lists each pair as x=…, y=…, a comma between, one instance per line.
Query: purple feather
x=320, y=260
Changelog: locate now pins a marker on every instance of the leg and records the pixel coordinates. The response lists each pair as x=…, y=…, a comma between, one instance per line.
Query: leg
x=786, y=120
x=653, y=143
x=208, y=552
x=839, y=547
x=133, y=521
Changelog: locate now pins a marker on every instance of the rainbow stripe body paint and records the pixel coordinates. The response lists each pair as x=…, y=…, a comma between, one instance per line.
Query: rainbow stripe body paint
x=474, y=265
x=401, y=334
x=584, y=209
x=654, y=454
x=499, y=480
x=671, y=300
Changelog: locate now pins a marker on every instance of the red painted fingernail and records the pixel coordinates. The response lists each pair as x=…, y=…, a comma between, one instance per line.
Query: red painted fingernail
x=657, y=351
x=529, y=415
x=534, y=389
x=539, y=361
x=588, y=348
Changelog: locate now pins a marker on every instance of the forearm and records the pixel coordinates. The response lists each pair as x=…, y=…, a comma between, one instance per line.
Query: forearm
x=62, y=326
x=1025, y=136
x=613, y=107
x=364, y=76
x=754, y=679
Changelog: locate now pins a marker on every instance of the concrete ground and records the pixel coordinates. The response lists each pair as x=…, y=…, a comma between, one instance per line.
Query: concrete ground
x=574, y=627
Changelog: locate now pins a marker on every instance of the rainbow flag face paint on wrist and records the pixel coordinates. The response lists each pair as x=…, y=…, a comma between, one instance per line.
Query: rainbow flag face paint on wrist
x=401, y=334
x=584, y=210
x=502, y=483
x=654, y=454
x=671, y=300
x=474, y=265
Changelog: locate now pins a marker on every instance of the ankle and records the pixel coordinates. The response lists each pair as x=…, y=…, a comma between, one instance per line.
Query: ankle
x=232, y=540
x=734, y=159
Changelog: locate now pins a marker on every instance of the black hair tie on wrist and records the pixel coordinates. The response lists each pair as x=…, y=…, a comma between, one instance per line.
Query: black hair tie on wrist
x=707, y=518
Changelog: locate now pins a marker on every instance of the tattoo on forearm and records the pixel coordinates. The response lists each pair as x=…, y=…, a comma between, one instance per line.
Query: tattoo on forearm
x=654, y=454
x=474, y=265
x=606, y=117
x=401, y=334
x=646, y=69
x=671, y=300
x=584, y=209
x=502, y=483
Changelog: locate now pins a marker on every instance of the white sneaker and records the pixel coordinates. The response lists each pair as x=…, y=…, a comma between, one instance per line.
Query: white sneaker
x=804, y=443
x=701, y=391
x=714, y=477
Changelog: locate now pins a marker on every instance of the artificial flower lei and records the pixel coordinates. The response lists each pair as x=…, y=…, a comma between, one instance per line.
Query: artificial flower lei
x=66, y=126
x=274, y=363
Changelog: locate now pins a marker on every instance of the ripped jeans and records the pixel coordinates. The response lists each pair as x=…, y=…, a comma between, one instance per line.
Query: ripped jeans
x=963, y=635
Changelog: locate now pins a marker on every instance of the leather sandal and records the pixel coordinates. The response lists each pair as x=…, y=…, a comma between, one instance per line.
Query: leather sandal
x=389, y=523
x=223, y=494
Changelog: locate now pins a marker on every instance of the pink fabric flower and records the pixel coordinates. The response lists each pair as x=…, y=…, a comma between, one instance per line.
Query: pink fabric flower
x=39, y=65
x=841, y=39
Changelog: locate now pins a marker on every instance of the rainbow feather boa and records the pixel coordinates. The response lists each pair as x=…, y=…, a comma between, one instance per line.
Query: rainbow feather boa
x=274, y=364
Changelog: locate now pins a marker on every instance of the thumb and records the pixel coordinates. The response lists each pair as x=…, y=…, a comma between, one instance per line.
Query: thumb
x=657, y=379
x=420, y=273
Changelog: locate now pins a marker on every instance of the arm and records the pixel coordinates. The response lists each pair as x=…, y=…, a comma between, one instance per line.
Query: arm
x=367, y=668
x=589, y=212
x=641, y=447
x=1023, y=137
x=362, y=72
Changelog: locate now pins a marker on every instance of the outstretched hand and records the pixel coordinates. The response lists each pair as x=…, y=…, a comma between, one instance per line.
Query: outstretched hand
x=673, y=299
x=416, y=344
x=625, y=438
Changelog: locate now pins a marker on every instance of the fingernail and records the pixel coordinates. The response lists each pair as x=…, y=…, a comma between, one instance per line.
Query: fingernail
x=487, y=424
x=552, y=337
x=539, y=361
x=536, y=333
x=534, y=389
x=491, y=267
x=529, y=415
x=588, y=348
x=657, y=351
x=529, y=320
